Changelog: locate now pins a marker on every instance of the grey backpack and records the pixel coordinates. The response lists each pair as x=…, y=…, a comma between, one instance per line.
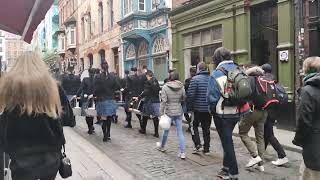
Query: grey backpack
x=237, y=89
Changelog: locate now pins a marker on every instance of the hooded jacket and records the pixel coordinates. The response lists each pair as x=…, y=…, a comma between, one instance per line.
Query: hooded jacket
x=151, y=91
x=308, y=127
x=172, y=95
x=70, y=83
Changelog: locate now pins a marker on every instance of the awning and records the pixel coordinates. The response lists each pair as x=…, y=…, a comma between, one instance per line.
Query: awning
x=22, y=17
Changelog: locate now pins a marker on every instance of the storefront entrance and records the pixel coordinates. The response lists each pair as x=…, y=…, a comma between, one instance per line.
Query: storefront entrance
x=264, y=35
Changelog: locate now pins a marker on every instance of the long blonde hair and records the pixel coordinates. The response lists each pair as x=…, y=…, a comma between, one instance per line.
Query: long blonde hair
x=30, y=87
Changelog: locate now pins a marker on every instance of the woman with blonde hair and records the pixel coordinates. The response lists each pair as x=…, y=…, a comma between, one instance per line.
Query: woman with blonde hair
x=308, y=126
x=30, y=127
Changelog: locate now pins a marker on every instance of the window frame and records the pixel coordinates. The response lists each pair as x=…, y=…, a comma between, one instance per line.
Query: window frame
x=144, y=5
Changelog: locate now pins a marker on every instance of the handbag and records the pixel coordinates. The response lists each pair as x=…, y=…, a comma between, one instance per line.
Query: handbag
x=91, y=111
x=165, y=122
x=65, y=169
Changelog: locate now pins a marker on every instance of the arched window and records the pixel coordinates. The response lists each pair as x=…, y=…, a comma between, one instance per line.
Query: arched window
x=159, y=45
x=131, y=52
x=102, y=55
x=101, y=16
x=143, y=49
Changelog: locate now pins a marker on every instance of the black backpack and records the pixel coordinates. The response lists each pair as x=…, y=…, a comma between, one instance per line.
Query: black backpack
x=266, y=93
x=282, y=95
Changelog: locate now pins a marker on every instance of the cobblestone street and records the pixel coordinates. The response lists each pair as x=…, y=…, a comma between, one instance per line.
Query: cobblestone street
x=137, y=155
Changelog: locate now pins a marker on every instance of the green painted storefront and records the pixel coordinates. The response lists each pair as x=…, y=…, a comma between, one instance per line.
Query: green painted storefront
x=236, y=18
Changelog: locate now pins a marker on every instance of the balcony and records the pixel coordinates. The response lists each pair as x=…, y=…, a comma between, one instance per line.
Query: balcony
x=141, y=23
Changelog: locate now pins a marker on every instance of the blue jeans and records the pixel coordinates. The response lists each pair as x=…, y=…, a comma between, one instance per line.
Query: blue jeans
x=225, y=128
x=178, y=122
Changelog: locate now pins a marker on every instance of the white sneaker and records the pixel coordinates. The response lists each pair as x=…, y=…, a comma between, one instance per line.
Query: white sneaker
x=183, y=156
x=260, y=168
x=159, y=148
x=280, y=162
x=253, y=161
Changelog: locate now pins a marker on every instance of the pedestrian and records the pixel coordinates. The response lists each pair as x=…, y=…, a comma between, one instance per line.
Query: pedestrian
x=193, y=72
x=168, y=78
x=308, y=126
x=105, y=85
x=269, y=136
x=197, y=103
x=85, y=90
x=30, y=127
x=132, y=91
x=256, y=119
x=70, y=83
x=225, y=116
x=172, y=95
x=152, y=103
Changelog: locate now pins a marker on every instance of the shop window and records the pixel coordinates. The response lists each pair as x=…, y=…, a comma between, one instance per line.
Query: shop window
x=131, y=52
x=200, y=46
x=313, y=8
x=196, y=40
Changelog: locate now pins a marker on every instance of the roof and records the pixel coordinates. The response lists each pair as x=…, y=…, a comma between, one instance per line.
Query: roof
x=22, y=17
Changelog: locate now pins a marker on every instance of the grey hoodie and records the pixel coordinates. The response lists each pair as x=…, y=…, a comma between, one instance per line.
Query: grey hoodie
x=172, y=95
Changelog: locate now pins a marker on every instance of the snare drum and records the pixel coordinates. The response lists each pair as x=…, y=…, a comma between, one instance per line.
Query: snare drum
x=136, y=106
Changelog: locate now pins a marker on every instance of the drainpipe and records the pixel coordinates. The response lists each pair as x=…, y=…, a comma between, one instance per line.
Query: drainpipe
x=234, y=16
x=299, y=46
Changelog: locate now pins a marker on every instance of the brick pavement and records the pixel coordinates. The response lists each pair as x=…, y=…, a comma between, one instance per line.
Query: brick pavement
x=137, y=155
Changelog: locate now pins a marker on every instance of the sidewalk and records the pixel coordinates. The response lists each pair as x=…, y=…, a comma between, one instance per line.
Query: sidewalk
x=284, y=137
x=88, y=162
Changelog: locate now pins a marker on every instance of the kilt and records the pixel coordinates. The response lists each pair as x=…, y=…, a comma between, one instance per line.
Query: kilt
x=106, y=108
x=151, y=109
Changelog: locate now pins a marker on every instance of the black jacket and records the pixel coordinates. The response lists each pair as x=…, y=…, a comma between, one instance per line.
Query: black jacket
x=105, y=86
x=151, y=91
x=70, y=83
x=187, y=84
x=308, y=125
x=86, y=86
x=133, y=88
x=142, y=80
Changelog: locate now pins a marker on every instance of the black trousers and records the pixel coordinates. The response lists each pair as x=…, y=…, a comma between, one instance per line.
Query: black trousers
x=106, y=126
x=126, y=109
x=144, y=122
x=89, y=121
x=269, y=137
x=205, y=119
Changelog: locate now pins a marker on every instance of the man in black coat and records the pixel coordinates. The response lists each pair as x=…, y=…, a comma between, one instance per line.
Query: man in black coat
x=193, y=72
x=132, y=90
x=70, y=83
x=85, y=90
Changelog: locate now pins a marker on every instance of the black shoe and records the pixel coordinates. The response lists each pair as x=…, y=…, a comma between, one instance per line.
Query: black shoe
x=206, y=151
x=156, y=135
x=91, y=131
x=142, y=131
x=99, y=122
x=128, y=126
x=105, y=139
x=223, y=174
x=109, y=138
x=233, y=178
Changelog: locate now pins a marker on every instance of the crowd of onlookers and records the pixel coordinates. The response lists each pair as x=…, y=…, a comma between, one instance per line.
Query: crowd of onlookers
x=34, y=108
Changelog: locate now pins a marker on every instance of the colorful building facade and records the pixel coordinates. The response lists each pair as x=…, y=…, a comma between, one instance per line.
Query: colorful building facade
x=256, y=31
x=145, y=35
